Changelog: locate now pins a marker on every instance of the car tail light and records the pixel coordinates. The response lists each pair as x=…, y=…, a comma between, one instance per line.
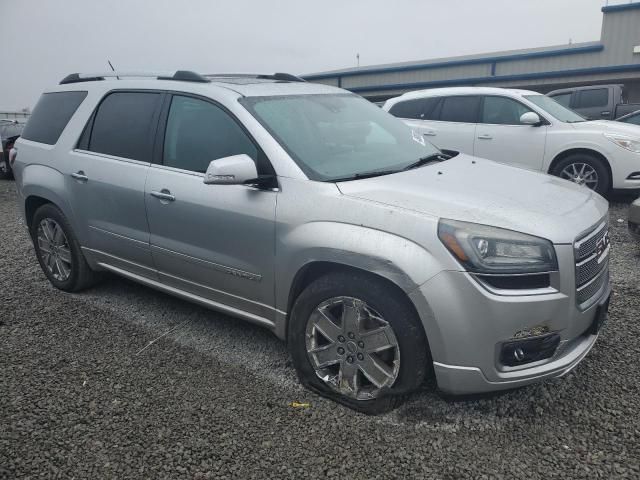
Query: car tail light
x=13, y=154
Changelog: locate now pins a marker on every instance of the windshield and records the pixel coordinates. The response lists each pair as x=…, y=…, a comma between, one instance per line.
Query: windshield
x=559, y=112
x=338, y=137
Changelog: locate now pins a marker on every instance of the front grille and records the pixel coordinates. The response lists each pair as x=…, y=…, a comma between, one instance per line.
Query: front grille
x=588, y=291
x=587, y=245
x=591, y=274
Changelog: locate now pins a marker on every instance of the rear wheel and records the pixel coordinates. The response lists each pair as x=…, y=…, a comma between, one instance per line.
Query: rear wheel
x=5, y=168
x=58, y=250
x=584, y=169
x=357, y=340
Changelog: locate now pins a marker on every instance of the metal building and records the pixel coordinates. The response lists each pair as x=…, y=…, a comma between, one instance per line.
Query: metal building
x=615, y=58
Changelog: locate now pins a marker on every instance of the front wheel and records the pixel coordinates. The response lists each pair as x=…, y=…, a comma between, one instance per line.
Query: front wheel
x=357, y=340
x=586, y=170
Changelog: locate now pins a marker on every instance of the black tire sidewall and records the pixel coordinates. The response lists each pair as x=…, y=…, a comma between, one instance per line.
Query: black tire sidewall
x=8, y=174
x=77, y=259
x=396, y=309
x=604, y=178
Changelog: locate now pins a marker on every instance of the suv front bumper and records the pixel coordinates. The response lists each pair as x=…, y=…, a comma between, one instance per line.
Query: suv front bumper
x=467, y=326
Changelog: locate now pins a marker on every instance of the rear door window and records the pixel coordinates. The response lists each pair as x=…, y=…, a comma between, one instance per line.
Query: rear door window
x=460, y=109
x=51, y=115
x=418, y=109
x=124, y=125
x=598, y=97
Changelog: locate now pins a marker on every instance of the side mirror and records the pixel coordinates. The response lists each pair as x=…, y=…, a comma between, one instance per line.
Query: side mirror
x=530, y=118
x=234, y=170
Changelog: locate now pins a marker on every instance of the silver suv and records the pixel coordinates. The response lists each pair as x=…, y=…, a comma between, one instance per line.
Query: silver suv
x=303, y=208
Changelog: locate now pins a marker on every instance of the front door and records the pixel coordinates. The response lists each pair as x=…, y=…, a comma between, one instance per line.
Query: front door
x=105, y=178
x=215, y=241
x=501, y=137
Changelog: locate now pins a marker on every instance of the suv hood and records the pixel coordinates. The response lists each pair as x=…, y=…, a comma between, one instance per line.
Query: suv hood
x=481, y=191
x=609, y=126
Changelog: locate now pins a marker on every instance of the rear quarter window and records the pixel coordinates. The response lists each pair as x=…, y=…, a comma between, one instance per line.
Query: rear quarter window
x=51, y=115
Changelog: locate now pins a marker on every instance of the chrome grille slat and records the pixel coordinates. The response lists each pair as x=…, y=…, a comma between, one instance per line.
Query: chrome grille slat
x=586, y=271
x=591, y=276
x=587, y=292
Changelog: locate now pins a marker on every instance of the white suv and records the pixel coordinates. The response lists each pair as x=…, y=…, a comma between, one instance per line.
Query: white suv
x=525, y=129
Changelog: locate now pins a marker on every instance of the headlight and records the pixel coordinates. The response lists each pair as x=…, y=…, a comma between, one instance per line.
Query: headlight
x=491, y=250
x=624, y=142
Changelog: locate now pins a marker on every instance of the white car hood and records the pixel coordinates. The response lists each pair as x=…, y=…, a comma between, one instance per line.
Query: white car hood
x=481, y=191
x=609, y=126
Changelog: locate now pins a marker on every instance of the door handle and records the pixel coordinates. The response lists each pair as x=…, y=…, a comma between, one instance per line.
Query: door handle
x=605, y=113
x=485, y=136
x=429, y=133
x=80, y=176
x=164, y=194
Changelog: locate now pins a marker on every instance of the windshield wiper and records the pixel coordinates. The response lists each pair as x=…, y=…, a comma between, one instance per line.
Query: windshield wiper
x=360, y=176
x=434, y=157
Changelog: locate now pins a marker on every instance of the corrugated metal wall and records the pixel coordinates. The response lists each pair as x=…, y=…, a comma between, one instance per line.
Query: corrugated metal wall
x=620, y=34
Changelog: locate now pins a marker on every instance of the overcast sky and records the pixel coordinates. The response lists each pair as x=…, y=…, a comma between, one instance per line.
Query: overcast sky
x=41, y=41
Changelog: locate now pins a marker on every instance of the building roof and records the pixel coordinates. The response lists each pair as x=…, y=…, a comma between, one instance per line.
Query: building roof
x=504, y=56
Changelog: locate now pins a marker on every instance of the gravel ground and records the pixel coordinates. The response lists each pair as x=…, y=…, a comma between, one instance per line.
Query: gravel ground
x=84, y=394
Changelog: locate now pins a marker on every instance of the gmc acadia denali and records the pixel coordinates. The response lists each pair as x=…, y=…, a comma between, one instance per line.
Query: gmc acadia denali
x=306, y=209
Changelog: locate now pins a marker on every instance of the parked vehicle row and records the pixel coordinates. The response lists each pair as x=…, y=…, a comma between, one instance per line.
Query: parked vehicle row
x=379, y=258
x=9, y=132
x=596, y=102
x=633, y=118
x=525, y=129
x=634, y=219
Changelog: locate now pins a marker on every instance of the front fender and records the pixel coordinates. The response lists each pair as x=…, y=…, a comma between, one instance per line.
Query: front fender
x=399, y=260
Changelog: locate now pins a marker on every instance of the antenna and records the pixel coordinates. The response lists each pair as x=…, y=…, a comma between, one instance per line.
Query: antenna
x=112, y=69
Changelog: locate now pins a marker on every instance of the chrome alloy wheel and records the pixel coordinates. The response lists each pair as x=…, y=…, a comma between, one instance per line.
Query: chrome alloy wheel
x=352, y=348
x=582, y=174
x=54, y=249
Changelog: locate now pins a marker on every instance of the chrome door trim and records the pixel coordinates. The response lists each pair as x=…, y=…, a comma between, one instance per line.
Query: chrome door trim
x=123, y=237
x=214, y=266
x=108, y=265
x=191, y=297
x=110, y=157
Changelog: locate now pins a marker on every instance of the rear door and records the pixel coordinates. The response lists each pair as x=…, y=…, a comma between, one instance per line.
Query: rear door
x=502, y=138
x=106, y=177
x=594, y=103
x=216, y=241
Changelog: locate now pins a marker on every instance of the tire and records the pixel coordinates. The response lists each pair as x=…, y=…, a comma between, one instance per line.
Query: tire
x=5, y=169
x=373, y=301
x=69, y=254
x=584, y=162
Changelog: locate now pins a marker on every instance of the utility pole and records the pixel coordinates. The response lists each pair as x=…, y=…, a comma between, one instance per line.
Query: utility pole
x=357, y=59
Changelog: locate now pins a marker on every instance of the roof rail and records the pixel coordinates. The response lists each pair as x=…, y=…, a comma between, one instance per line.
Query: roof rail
x=281, y=77
x=179, y=75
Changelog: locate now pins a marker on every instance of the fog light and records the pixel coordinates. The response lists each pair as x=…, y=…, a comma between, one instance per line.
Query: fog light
x=528, y=350
x=518, y=354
